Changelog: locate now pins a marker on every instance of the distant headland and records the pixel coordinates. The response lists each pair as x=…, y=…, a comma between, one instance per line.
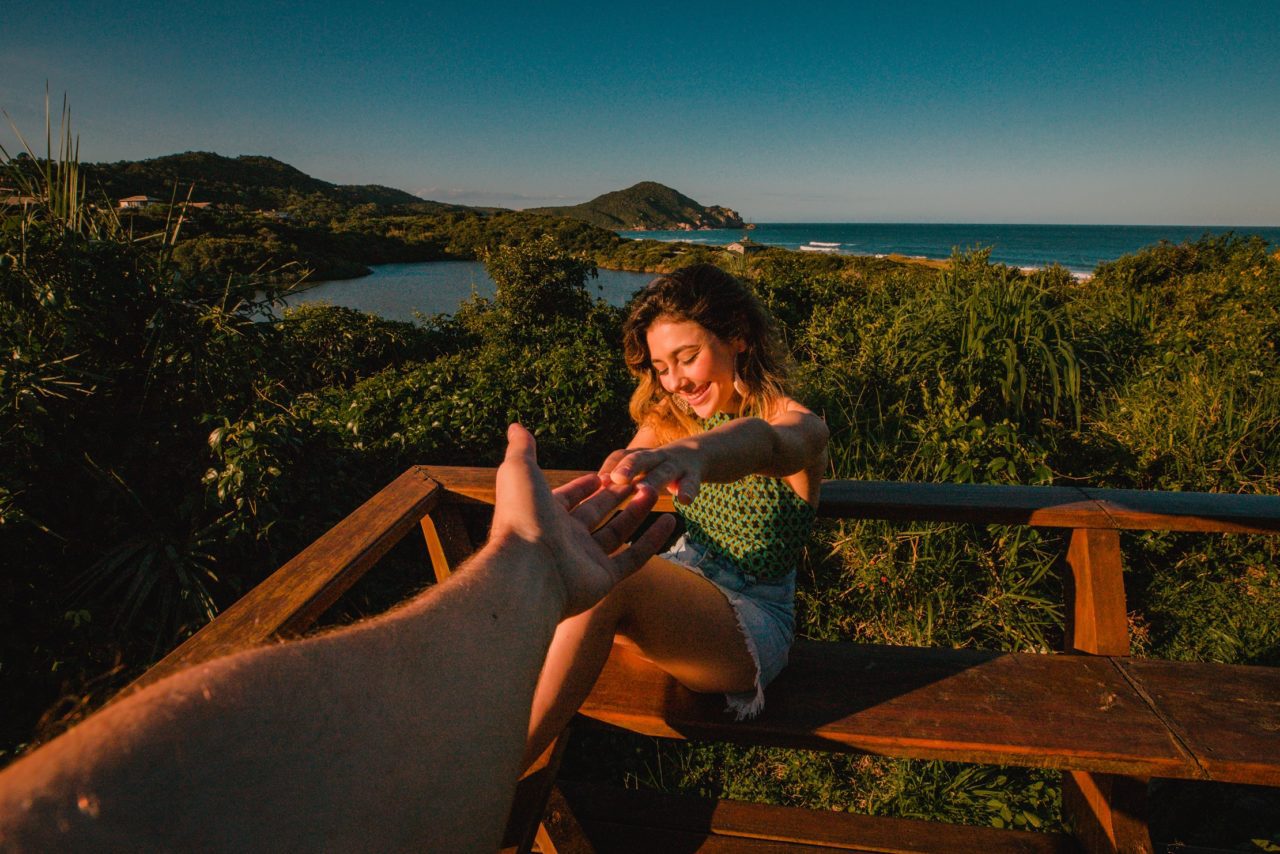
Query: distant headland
x=259, y=182
x=648, y=206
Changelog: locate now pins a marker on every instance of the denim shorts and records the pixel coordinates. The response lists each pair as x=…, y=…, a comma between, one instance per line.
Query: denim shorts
x=766, y=612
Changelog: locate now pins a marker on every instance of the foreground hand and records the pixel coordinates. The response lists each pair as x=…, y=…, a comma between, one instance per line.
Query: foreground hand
x=669, y=467
x=585, y=556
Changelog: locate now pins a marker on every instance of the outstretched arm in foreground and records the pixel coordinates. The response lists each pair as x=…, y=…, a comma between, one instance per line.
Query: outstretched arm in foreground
x=791, y=444
x=405, y=731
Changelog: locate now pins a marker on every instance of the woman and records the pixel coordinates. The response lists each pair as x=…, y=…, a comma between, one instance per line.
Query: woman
x=744, y=461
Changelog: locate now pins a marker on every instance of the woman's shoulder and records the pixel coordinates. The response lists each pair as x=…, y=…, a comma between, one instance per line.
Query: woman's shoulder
x=784, y=406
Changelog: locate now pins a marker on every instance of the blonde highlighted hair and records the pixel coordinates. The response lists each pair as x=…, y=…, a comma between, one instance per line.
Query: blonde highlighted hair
x=723, y=306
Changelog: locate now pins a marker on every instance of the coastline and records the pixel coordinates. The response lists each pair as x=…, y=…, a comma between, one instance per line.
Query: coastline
x=1026, y=247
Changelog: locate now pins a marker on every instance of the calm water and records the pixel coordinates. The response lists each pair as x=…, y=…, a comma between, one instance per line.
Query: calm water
x=396, y=291
x=1079, y=248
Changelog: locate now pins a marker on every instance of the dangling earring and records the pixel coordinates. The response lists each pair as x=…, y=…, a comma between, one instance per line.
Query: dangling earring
x=739, y=386
x=681, y=404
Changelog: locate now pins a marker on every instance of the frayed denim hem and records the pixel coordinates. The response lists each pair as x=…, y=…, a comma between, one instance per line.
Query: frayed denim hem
x=745, y=705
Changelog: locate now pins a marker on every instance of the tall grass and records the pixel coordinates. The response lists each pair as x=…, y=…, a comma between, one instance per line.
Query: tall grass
x=1160, y=373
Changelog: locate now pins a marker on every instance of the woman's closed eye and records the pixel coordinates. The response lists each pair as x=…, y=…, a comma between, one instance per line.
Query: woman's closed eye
x=661, y=370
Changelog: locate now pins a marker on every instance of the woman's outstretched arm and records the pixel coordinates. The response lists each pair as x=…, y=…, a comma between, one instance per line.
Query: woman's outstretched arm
x=402, y=732
x=792, y=442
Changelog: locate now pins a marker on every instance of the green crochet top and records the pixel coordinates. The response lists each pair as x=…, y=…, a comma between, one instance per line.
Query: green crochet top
x=758, y=522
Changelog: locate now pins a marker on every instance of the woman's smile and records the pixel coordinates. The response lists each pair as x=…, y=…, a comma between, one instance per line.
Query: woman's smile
x=692, y=362
x=696, y=396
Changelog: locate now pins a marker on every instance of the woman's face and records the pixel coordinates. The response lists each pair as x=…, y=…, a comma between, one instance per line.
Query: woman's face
x=690, y=361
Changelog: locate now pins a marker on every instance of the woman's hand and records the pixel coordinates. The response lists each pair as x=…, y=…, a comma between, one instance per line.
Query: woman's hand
x=672, y=467
x=584, y=539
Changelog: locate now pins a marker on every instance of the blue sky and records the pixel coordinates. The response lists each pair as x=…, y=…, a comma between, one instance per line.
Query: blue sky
x=1160, y=113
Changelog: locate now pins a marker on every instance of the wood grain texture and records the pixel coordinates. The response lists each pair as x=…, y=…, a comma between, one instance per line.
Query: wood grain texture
x=1107, y=812
x=295, y=596
x=1098, y=623
x=644, y=810
x=1068, y=712
x=1227, y=715
x=1141, y=510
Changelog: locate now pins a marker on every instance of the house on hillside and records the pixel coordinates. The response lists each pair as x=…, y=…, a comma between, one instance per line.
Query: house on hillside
x=9, y=199
x=745, y=246
x=136, y=202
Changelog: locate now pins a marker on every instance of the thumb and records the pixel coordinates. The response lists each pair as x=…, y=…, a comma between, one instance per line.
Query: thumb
x=521, y=444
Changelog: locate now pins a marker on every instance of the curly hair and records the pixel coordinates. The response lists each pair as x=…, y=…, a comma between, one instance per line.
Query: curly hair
x=727, y=308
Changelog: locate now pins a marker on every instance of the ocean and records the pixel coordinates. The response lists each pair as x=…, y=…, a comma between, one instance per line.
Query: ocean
x=399, y=291
x=1079, y=248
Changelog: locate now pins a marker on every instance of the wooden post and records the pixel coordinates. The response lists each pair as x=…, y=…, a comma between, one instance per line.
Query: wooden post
x=1108, y=811
x=1098, y=623
x=447, y=539
x=524, y=823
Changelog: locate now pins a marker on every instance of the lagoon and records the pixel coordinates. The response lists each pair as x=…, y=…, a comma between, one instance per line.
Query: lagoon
x=399, y=291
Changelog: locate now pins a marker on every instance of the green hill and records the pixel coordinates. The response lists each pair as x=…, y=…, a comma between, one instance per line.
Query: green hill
x=647, y=205
x=250, y=181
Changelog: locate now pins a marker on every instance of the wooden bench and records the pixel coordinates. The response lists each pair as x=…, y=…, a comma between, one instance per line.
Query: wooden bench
x=1110, y=722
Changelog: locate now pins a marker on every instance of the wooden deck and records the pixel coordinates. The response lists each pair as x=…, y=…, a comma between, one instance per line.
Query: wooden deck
x=1110, y=722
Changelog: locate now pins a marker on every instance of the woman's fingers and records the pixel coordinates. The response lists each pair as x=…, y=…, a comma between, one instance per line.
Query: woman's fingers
x=664, y=475
x=637, y=463
x=610, y=463
x=686, y=489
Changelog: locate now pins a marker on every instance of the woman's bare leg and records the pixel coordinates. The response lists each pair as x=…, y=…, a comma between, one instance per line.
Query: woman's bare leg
x=680, y=621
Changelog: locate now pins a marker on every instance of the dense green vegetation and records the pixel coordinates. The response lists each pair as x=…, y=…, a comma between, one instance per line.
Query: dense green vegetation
x=647, y=205
x=162, y=449
x=267, y=219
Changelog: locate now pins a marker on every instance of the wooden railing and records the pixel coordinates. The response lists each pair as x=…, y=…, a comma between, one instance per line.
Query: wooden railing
x=1106, y=807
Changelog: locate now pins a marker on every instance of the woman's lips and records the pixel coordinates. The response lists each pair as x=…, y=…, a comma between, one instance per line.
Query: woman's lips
x=698, y=396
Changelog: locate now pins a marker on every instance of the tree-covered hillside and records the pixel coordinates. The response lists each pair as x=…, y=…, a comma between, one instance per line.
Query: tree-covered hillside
x=248, y=181
x=269, y=216
x=647, y=205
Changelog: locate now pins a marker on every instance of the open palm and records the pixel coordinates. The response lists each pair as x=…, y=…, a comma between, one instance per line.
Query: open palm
x=587, y=557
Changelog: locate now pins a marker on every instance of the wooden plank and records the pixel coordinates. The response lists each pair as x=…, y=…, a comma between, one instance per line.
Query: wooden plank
x=1143, y=510
x=829, y=829
x=1226, y=715
x=530, y=799
x=1068, y=712
x=1099, y=623
x=448, y=542
x=611, y=838
x=467, y=485
x=295, y=596
x=1045, y=506
x=1042, y=506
